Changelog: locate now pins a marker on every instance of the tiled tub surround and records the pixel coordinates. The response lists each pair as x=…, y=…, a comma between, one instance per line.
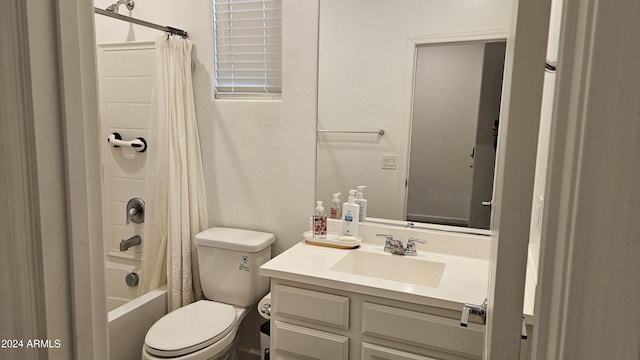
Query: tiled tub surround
x=125, y=87
x=126, y=84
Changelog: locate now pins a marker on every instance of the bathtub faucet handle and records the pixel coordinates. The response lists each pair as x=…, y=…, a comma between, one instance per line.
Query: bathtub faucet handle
x=131, y=213
x=135, y=211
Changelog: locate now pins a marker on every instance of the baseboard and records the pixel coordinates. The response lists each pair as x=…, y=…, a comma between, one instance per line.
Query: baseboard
x=438, y=220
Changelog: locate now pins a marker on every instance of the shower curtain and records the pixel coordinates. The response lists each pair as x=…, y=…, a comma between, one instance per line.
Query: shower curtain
x=176, y=210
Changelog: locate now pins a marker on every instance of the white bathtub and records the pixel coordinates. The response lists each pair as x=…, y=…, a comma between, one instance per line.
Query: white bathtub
x=129, y=316
x=128, y=324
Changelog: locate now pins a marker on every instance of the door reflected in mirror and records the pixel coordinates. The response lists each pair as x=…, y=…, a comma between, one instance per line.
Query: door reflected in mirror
x=452, y=155
x=437, y=99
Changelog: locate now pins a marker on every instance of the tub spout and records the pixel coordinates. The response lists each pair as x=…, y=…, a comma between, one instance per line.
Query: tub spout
x=132, y=241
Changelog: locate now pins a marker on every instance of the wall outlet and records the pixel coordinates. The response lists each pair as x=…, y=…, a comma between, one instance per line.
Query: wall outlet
x=389, y=162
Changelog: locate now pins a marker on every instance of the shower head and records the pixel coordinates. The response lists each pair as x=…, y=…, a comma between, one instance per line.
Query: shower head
x=114, y=7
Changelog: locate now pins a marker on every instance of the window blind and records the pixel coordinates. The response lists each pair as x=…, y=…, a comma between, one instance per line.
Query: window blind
x=248, y=47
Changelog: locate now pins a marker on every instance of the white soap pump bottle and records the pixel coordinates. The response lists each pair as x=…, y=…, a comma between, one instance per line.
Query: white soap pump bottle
x=336, y=207
x=362, y=202
x=350, y=213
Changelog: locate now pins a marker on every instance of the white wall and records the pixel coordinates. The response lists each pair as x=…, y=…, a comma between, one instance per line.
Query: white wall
x=363, y=47
x=258, y=156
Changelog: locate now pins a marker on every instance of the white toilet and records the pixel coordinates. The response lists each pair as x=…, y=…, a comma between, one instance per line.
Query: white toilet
x=229, y=261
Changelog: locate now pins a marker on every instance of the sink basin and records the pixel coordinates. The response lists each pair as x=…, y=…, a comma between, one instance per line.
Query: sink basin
x=391, y=267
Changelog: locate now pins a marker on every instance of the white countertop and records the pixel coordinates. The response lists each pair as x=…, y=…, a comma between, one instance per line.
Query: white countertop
x=464, y=280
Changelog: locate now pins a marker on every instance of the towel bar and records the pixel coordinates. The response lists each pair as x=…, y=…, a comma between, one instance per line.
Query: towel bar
x=379, y=132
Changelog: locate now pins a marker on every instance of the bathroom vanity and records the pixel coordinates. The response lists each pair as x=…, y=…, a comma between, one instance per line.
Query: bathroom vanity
x=367, y=304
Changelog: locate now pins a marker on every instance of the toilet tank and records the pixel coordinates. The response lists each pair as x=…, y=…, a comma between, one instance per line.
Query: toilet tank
x=229, y=261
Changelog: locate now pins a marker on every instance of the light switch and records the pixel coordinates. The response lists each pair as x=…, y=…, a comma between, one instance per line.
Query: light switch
x=389, y=162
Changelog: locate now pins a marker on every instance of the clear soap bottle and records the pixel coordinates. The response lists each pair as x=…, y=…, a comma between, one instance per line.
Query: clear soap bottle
x=336, y=207
x=319, y=222
x=362, y=202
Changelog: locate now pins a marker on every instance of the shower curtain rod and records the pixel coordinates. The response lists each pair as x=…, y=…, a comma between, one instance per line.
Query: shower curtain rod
x=167, y=29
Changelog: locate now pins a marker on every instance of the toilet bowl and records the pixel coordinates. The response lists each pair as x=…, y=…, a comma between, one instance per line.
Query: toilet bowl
x=201, y=330
x=229, y=261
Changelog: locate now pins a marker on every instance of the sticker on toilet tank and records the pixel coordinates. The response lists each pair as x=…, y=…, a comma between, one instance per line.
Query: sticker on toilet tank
x=244, y=264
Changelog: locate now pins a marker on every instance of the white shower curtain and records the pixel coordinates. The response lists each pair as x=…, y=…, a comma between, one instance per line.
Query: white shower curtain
x=176, y=210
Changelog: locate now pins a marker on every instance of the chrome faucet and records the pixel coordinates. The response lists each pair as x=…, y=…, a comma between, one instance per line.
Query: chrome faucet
x=132, y=241
x=480, y=310
x=396, y=247
x=392, y=246
x=411, y=246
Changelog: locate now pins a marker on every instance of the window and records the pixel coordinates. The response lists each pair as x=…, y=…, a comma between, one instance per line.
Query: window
x=248, y=43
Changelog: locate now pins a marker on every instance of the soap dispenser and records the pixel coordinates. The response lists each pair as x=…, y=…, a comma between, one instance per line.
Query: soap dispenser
x=362, y=202
x=319, y=222
x=336, y=207
x=350, y=213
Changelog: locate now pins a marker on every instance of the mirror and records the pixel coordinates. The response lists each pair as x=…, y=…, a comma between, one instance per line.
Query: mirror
x=436, y=97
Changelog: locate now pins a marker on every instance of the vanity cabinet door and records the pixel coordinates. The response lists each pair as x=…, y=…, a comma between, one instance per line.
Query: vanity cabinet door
x=375, y=352
x=423, y=330
x=311, y=306
x=297, y=342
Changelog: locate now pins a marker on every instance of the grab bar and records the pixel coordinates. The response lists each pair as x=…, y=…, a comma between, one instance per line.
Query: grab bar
x=139, y=144
x=379, y=132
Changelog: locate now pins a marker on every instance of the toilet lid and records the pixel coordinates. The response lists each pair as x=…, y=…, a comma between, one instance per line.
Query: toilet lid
x=190, y=328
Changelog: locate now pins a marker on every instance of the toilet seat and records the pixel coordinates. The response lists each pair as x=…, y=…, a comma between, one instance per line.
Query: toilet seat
x=190, y=329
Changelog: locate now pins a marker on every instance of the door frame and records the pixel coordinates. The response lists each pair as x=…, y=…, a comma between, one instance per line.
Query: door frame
x=514, y=176
x=58, y=108
x=411, y=52
x=586, y=300
x=78, y=80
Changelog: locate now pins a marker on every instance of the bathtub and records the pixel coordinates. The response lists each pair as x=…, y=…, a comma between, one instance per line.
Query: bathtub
x=129, y=316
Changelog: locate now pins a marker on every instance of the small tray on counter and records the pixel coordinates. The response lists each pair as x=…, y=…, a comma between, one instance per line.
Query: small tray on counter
x=333, y=240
